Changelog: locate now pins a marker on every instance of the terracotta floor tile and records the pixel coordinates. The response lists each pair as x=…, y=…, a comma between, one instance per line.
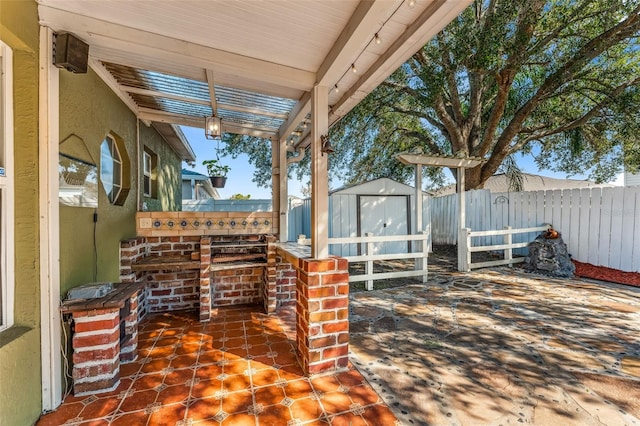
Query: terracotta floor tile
x=325, y=422
x=275, y=415
x=264, y=377
x=379, y=414
x=61, y=415
x=130, y=369
x=155, y=365
x=240, y=352
x=306, y=409
x=235, y=342
x=147, y=381
x=236, y=383
x=254, y=331
x=183, y=361
x=269, y=395
x=350, y=378
x=326, y=383
x=124, y=385
x=138, y=401
x=207, y=372
x=206, y=388
x=168, y=415
x=234, y=333
x=350, y=419
x=237, y=402
x=158, y=352
x=179, y=377
x=173, y=394
x=286, y=359
x=130, y=419
x=203, y=409
x=363, y=395
x=238, y=366
x=257, y=340
x=263, y=360
x=167, y=341
x=336, y=402
x=102, y=407
x=210, y=356
x=187, y=348
x=240, y=419
x=291, y=372
x=297, y=389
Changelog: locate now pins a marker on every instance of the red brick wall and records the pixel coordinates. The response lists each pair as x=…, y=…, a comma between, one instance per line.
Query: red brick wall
x=237, y=286
x=285, y=283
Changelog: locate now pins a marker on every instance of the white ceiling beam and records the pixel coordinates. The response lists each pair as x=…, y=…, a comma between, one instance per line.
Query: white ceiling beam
x=297, y=114
x=427, y=25
x=185, y=120
x=99, y=32
x=356, y=35
x=212, y=91
x=106, y=76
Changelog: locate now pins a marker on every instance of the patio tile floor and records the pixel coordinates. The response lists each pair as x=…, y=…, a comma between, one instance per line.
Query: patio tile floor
x=238, y=369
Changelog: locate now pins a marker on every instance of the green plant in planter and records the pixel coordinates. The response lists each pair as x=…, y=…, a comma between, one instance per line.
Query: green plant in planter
x=214, y=168
x=217, y=172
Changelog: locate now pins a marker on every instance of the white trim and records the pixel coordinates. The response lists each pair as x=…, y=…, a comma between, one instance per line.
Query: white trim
x=147, y=173
x=48, y=120
x=7, y=259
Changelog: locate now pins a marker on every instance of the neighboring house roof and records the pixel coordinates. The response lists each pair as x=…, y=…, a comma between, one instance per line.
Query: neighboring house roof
x=176, y=140
x=500, y=183
x=204, y=184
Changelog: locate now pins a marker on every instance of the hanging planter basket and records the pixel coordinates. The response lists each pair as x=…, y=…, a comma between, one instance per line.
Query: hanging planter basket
x=218, y=181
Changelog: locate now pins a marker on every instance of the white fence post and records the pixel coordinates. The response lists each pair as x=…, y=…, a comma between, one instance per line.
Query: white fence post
x=508, y=239
x=425, y=254
x=464, y=256
x=369, y=268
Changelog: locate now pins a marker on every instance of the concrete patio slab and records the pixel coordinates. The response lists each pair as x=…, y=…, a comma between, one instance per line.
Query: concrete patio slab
x=499, y=346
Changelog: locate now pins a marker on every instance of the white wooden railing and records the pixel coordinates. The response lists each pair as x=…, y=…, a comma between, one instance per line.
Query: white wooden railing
x=507, y=246
x=368, y=244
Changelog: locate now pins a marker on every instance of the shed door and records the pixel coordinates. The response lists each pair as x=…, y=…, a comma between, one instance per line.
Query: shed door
x=385, y=216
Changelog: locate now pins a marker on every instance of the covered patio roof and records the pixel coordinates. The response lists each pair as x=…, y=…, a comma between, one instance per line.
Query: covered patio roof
x=252, y=63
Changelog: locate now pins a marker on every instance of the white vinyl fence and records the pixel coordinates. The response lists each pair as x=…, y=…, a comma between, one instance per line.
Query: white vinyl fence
x=601, y=226
x=370, y=246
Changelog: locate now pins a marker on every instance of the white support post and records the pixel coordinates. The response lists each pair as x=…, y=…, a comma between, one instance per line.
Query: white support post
x=508, y=240
x=464, y=250
x=319, y=174
x=284, y=191
x=418, y=216
x=275, y=177
x=462, y=258
x=48, y=119
x=369, y=267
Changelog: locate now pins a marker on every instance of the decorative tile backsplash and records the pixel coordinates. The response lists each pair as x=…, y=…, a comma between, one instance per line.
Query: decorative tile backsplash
x=160, y=224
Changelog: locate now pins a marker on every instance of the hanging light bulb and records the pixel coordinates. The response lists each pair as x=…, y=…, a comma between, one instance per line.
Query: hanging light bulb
x=212, y=127
x=411, y=3
x=377, y=39
x=335, y=88
x=353, y=68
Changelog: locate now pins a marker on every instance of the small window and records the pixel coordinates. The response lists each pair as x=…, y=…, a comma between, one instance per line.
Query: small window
x=7, y=285
x=149, y=173
x=114, y=169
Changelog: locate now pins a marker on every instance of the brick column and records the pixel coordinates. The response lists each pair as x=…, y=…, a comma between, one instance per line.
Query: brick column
x=130, y=345
x=205, y=278
x=269, y=294
x=131, y=250
x=96, y=349
x=323, y=314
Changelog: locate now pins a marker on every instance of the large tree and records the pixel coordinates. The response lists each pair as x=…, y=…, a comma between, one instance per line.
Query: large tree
x=559, y=80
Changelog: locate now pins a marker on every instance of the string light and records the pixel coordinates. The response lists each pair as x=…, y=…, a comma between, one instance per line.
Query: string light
x=376, y=39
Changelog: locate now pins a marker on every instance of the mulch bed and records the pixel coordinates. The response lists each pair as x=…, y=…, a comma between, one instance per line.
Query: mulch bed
x=587, y=270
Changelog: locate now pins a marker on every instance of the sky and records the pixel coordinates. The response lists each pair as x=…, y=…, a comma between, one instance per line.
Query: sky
x=239, y=178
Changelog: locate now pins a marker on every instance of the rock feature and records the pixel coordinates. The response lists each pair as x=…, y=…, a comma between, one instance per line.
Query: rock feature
x=549, y=256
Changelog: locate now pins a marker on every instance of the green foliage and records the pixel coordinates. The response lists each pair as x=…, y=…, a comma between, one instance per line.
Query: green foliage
x=555, y=79
x=240, y=197
x=215, y=168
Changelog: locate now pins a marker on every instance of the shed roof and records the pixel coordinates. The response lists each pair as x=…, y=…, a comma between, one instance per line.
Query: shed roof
x=380, y=186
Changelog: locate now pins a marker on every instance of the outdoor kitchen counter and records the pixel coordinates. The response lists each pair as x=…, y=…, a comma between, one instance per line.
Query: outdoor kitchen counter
x=291, y=252
x=166, y=263
x=114, y=299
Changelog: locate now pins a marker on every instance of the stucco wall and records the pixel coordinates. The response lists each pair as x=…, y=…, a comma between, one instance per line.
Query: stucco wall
x=169, y=181
x=20, y=395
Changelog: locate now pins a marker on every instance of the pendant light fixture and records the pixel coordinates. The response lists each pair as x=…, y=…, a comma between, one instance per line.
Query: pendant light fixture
x=213, y=127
